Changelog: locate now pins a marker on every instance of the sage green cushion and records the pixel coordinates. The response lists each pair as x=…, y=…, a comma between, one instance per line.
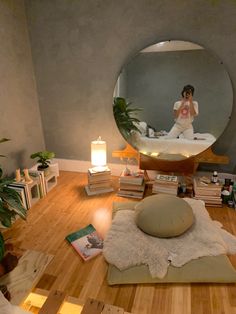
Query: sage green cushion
x=164, y=215
x=217, y=269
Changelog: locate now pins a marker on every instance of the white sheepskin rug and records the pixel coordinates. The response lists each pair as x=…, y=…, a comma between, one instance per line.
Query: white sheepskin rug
x=126, y=245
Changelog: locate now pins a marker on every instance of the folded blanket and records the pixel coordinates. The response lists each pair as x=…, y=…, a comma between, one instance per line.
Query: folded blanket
x=126, y=245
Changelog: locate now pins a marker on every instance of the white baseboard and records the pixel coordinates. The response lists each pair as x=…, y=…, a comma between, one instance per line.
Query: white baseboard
x=83, y=166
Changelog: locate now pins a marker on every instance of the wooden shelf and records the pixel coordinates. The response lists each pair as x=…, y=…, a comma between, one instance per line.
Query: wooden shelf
x=50, y=181
x=127, y=152
x=185, y=166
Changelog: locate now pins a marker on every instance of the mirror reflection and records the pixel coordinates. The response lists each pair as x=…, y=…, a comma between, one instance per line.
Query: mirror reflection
x=181, y=88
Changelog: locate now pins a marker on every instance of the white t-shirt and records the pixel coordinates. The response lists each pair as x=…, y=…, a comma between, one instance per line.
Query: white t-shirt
x=185, y=117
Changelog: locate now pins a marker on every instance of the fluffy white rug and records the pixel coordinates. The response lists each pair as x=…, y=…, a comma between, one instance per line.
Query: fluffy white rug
x=126, y=245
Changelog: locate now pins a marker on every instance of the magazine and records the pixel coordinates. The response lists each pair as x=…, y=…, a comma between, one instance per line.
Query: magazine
x=86, y=242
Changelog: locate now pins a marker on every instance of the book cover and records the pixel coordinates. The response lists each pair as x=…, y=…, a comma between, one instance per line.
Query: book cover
x=121, y=194
x=21, y=192
x=209, y=200
x=25, y=187
x=166, y=191
x=167, y=179
x=100, y=178
x=100, y=185
x=94, y=172
x=136, y=179
x=130, y=192
x=202, y=185
x=132, y=187
x=86, y=242
x=40, y=175
x=210, y=189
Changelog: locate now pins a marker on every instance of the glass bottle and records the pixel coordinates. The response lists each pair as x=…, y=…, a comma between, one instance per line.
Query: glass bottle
x=214, y=178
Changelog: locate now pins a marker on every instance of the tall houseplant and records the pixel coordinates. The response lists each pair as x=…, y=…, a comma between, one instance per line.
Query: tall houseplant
x=124, y=116
x=10, y=204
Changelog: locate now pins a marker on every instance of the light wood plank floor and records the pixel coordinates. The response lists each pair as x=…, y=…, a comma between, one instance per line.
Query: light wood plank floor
x=67, y=208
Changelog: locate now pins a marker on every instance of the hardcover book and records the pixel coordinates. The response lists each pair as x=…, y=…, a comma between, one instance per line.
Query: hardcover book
x=41, y=178
x=132, y=187
x=25, y=189
x=86, y=242
x=100, y=185
x=94, y=172
x=22, y=193
x=127, y=193
x=91, y=192
x=206, y=189
x=136, y=179
x=99, y=178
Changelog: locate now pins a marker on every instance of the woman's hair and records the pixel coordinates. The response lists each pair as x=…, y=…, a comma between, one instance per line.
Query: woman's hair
x=187, y=88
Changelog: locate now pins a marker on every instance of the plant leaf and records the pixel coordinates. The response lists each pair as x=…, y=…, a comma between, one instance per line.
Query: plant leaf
x=6, y=215
x=5, y=181
x=123, y=114
x=13, y=201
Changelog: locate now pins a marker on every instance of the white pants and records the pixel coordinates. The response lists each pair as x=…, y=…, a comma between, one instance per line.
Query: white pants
x=177, y=129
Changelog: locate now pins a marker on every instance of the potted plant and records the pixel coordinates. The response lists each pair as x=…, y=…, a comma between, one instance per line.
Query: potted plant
x=123, y=113
x=10, y=206
x=43, y=159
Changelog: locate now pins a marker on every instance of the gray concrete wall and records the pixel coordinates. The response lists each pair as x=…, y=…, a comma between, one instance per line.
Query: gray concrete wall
x=20, y=115
x=80, y=46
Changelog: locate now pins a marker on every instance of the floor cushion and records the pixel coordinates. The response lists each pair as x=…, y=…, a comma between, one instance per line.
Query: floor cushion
x=164, y=215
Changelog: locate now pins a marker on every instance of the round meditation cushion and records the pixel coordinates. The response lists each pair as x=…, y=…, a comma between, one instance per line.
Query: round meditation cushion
x=163, y=215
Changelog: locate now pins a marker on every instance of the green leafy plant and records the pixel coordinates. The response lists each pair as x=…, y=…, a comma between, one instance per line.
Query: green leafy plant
x=10, y=204
x=124, y=116
x=43, y=158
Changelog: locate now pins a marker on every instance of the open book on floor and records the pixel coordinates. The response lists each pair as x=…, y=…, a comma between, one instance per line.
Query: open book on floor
x=86, y=242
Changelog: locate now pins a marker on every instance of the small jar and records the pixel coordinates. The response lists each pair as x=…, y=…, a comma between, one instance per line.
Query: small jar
x=230, y=204
x=214, y=178
x=225, y=195
x=183, y=187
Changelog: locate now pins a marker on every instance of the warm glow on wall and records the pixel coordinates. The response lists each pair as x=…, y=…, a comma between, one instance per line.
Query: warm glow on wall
x=98, y=153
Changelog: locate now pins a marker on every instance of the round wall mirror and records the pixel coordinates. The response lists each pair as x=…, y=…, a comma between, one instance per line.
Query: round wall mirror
x=154, y=80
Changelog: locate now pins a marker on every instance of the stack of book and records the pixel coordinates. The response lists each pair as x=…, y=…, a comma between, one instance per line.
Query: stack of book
x=207, y=191
x=40, y=185
x=132, y=185
x=99, y=182
x=165, y=184
x=25, y=192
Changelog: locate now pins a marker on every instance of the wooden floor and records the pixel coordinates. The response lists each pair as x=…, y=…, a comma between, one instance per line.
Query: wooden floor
x=66, y=209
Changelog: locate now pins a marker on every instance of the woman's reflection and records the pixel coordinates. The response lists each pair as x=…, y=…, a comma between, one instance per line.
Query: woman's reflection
x=184, y=112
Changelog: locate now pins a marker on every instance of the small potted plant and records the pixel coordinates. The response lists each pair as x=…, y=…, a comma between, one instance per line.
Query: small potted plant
x=43, y=159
